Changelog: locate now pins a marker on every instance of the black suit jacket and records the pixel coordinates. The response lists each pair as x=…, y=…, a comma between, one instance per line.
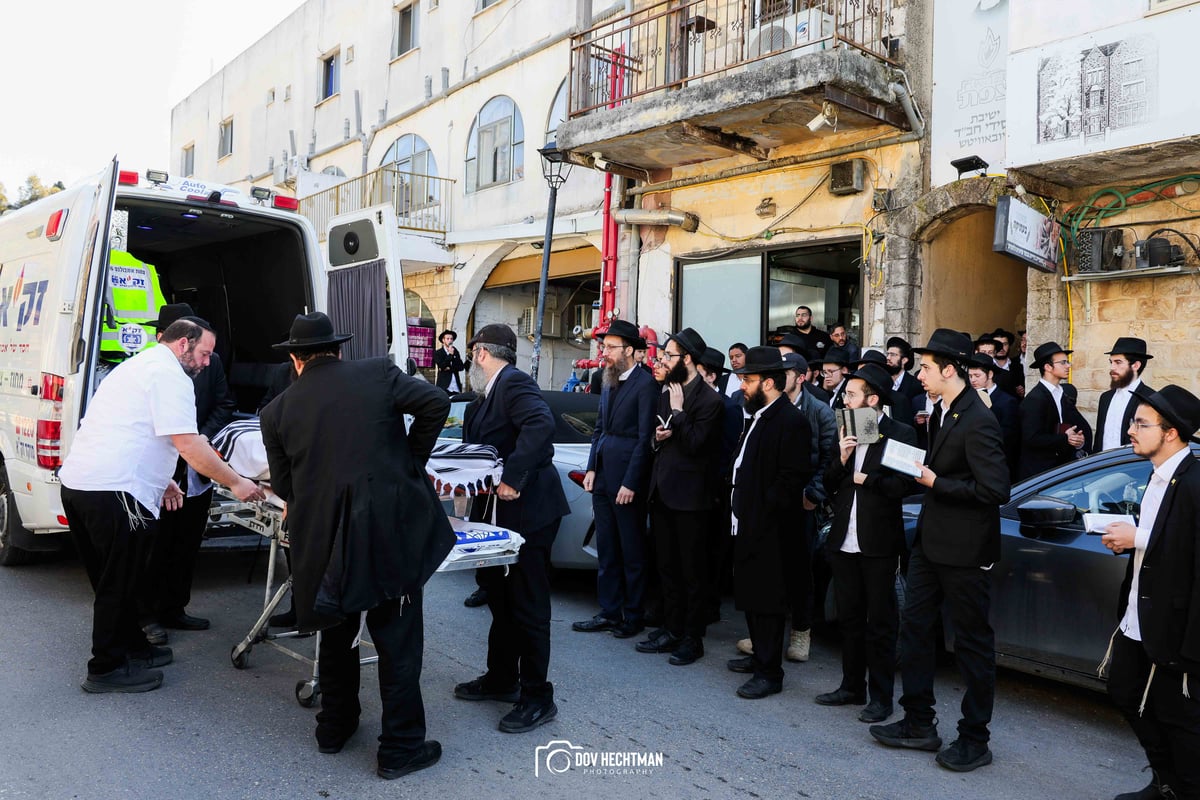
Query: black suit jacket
x=1007, y=409
x=681, y=477
x=620, y=454
x=1168, y=584
x=364, y=521
x=911, y=387
x=1042, y=446
x=768, y=499
x=960, y=518
x=879, y=525
x=515, y=419
x=1126, y=418
x=448, y=365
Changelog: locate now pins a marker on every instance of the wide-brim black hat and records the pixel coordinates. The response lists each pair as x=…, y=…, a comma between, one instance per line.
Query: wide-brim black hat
x=902, y=345
x=872, y=357
x=763, y=358
x=312, y=330
x=791, y=340
x=713, y=359
x=948, y=344
x=1131, y=347
x=443, y=334
x=627, y=331
x=692, y=343
x=1178, y=406
x=171, y=313
x=837, y=355
x=980, y=361
x=1047, y=351
x=877, y=378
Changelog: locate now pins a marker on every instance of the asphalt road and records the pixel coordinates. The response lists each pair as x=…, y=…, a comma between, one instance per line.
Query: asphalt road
x=216, y=732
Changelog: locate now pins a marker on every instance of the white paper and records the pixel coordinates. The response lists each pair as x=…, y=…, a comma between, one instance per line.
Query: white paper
x=1096, y=523
x=900, y=457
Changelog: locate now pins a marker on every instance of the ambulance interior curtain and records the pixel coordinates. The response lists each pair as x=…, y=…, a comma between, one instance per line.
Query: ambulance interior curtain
x=358, y=305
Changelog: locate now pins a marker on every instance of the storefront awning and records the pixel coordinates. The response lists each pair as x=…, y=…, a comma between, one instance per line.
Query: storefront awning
x=528, y=269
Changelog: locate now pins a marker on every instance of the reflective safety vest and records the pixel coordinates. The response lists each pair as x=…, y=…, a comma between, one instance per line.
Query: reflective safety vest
x=135, y=297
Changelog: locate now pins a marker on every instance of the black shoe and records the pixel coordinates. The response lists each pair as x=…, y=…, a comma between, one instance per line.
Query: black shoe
x=287, y=619
x=965, y=755
x=479, y=689
x=331, y=739
x=659, y=641
x=906, y=733
x=426, y=756
x=1156, y=790
x=688, y=651
x=476, y=598
x=595, y=624
x=758, y=687
x=744, y=665
x=128, y=678
x=155, y=633
x=184, y=622
x=840, y=697
x=876, y=711
x=527, y=715
x=627, y=629
x=152, y=657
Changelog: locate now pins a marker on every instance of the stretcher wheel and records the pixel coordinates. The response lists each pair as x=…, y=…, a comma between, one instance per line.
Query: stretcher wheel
x=307, y=693
x=239, y=657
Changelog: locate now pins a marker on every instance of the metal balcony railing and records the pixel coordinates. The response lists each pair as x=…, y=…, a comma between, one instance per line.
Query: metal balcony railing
x=667, y=44
x=422, y=202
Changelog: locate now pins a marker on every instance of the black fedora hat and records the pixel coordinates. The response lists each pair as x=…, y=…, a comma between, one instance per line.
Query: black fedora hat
x=691, y=342
x=902, y=345
x=449, y=332
x=627, y=331
x=837, y=355
x=1130, y=346
x=791, y=340
x=763, y=358
x=713, y=360
x=1047, y=351
x=311, y=330
x=872, y=357
x=169, y=313
x=948, y=344
x=796, y=362
x=877, y=378
x=1177, y=405
x=980, y=361
x=497, y=333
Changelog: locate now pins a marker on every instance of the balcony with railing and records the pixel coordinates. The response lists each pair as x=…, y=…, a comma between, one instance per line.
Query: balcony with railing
x=682, y=81
x=421, y=202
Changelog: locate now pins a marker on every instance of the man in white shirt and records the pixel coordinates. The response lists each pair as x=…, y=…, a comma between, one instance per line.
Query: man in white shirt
x=730, y=384
x=116, y=477
x=1126, y=363
x=1156, y=648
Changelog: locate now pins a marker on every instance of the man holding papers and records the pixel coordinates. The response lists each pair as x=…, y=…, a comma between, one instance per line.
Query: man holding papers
x=957, y=543
x=1156, y=648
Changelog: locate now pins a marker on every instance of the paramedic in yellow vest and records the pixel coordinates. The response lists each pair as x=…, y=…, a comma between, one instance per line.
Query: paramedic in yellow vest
x=135, y=297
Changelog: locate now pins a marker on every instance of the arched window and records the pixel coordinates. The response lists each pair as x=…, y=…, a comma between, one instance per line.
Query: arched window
x=409, y=182
x=410, y=153
x=558, y=112
x=336, y=172
x=495, y=147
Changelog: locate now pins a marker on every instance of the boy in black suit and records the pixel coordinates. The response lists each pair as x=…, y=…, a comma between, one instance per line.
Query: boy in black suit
x=981, y=372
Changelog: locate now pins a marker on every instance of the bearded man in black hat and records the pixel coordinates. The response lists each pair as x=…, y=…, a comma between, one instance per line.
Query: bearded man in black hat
x=1126, y=362
x=686, y=441
x=367, y=530
x=899, y=355
x=1156, y=648
x=957, y=543
x=1053, y=432
x=769, y=475
x=449, y=363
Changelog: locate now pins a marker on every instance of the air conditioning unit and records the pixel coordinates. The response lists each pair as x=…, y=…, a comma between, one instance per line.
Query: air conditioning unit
x=551, y=324
x=846, y=177
x=583, y=317
x=1100, y=250
x=790, y=31
x=280, y=174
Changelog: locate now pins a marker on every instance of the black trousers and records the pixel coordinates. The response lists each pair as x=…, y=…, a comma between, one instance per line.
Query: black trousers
x=168, y=585
x=681, y=541
x=1169, y=727
x=864, y=588
x=966, y=594
x=766, y=635
x=113, y=547
x=620, y=551
x=519, y=640
x=798, y=556
x=398, y=634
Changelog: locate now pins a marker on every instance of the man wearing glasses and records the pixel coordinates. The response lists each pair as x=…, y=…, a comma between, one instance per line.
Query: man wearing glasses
x=834, y=369
x=1053, y=432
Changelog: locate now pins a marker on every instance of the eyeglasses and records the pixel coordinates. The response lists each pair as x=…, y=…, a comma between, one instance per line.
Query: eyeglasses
x=666, y=357
x=1061, y=362
x=831, y=372
x=608, y=348
x=1141, y=424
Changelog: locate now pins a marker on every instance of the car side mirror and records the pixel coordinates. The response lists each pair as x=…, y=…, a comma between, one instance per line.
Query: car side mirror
x=1046, y=512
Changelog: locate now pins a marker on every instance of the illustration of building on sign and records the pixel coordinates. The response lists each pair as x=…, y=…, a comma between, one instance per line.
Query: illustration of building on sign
x=1085, y=93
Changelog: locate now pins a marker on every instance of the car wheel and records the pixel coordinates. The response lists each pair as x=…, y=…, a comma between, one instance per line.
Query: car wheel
x=10, y=520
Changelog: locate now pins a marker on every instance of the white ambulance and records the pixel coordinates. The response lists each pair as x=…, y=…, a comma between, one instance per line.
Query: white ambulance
x=248, y=264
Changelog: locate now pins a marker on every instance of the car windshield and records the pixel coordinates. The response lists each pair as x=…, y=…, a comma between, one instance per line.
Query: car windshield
x=1115, y=489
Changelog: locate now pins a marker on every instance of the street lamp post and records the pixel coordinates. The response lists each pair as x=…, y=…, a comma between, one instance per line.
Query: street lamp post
x=555, y=169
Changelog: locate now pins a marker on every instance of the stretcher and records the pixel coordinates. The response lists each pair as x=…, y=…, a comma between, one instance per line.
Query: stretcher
x=456, y=469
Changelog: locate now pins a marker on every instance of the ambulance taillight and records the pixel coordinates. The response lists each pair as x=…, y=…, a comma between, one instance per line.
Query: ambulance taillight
x=49, y=423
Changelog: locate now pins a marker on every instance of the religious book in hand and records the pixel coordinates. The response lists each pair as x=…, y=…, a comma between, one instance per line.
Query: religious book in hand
x=1096, y=523
x=860, y=422
x=903, y=458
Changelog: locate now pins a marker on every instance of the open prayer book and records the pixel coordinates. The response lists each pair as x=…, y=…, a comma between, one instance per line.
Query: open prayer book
x=1096, y=523
x=900, y=457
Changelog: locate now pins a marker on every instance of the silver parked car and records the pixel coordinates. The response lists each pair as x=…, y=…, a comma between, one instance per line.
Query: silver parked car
x=574, y=418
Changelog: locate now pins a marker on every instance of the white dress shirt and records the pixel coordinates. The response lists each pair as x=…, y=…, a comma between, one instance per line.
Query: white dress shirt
x=1151, y=502
x=738, y=463
x=1056, y=391
x=1113, y=427
x=734, y=386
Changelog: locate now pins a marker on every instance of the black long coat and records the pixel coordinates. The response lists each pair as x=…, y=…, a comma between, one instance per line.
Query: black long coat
x=365, y=523
x=768, y=499
x=682, y=477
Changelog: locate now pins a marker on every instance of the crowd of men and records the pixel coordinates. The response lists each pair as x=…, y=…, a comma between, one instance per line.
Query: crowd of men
x=701, y=476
